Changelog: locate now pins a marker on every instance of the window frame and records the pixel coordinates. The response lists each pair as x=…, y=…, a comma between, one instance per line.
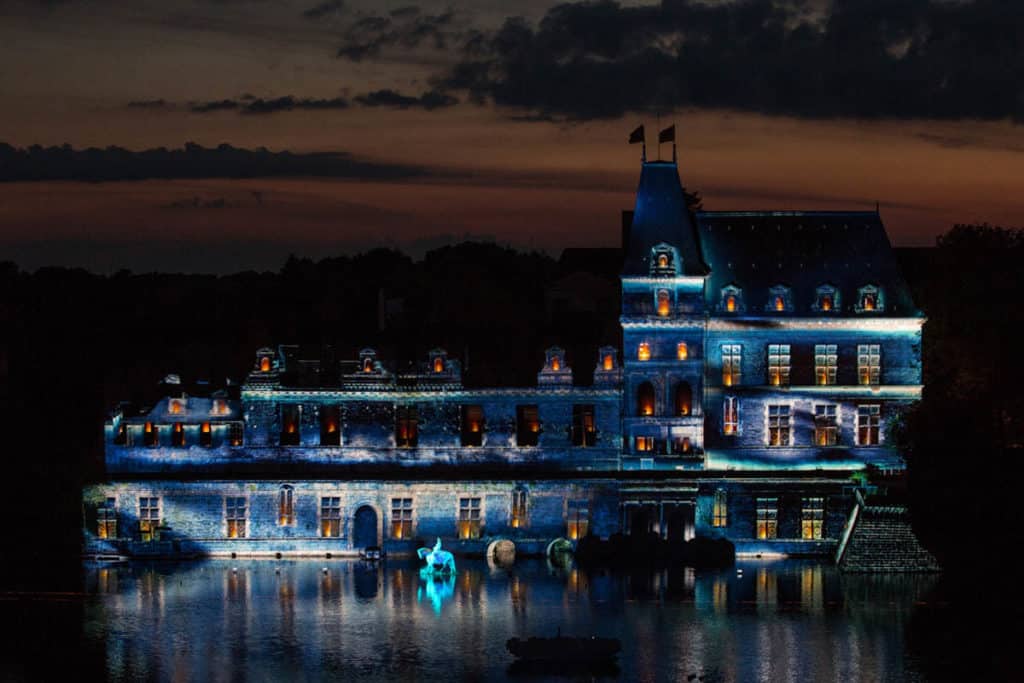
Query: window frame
x=469, y=526
x=732, y=364
x=872, y=412
x=401, y=522
x=778, y=421
x=812, y=518
x=766, y=518
x=826, y=423
x=330, y=523
x=869, y=364
x=780, y=363
x=236, y=509
x=826, y=364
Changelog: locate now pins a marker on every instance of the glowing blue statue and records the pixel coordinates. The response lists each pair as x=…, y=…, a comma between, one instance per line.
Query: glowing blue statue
x=437, y=561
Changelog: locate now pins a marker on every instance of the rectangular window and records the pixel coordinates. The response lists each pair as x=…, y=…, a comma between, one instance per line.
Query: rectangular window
x=518, y=517
x=644, y=444
x=149, y=517
x=826, y=425
x=767, y=518
x=330, y=517
x=578, y=519
x=290, y=425
x=106, y=519
x=150, y=435
x=286, y=506
x=779, y=428
x=869, y=364
x=205, y=435
x=778, y=365
x=407, y=426
x=330, y=426
x=178, y=435
x=813, y=518
x=236, y=433
x=401, y=518
x=730, y=416
x=681, y=445
x=826, y=364
x=584, y=427
x=470, y=518
x=868, y=424
x=527, y=425
x=234, y=513
x=472, y=426
x=732, y=357
x=720, y=513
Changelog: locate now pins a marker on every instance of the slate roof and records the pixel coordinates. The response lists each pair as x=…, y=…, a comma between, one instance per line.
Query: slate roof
x=757, y=250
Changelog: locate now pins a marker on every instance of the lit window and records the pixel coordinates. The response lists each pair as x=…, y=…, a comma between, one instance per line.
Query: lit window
x=682, y=351
x=178, y=435
x=643, y=351
x=220, y=407
x=556, y=364
x=330, y=517
x=684, y=399
x=826, y=425
x=286, y=506
x=401, y=518
x=826, y=299
x=236, y=433
x=869, y=299
x=406, y=426
x=265, y=364
x=662, y=260
x=584, y=428
x=730, y=303
x=367, y=365
x=779, y=299
x=779, y=431
x=472, y=426
x=644, y=444
x=664, y=303
x=121, y=437
x=767, y=518
x=869, y=364
x=470, y=518
x=527, y=425
x=813, y=518
x=609, y=362
x=205, y=435
x=151, y=434
x=438, y=365
x=106, y=519
x=868, y=425
x=290, y=425
x=732, y=299
x=330, y=426
x=578, y=519
x=682, y=445
x=518, y=518
x=149, y=517
x=234, y=514
x=826, y=302
x=780, y=303
x=778, y=364
x=732, y=357
x=826, y=363
x=645, y=399
x=730, y=416
x=176, y=406
x=720, y=511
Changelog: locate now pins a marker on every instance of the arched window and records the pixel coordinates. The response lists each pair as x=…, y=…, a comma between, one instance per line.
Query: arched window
x=780, y=299
x=869, y=299
x=826, y=299
x=684, y=398
x=663, y=260
x=645, y=399
x=608, y=363
x=664, y=303
x=732, y=299
x=367, y=365
x=438, y=364
x=265, y=364
x=682, y=351
x=643, y=351
x=286, y=506
x=556, y=364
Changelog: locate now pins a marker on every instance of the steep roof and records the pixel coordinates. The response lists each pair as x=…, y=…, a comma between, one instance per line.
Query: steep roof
x=660, y=216
x=757, y=250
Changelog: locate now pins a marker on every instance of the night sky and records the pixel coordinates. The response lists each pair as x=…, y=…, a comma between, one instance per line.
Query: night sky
x=487, y=119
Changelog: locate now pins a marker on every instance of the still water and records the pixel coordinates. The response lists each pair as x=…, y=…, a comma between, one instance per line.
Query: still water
x=350, y=621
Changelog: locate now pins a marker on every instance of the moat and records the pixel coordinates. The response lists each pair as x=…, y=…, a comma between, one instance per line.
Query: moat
x=349, y=620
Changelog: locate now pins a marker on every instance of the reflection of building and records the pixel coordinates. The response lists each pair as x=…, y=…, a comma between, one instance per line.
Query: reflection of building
x=764, y=357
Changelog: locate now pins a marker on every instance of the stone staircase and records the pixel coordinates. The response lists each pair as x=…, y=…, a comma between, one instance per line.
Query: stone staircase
x=878, y=538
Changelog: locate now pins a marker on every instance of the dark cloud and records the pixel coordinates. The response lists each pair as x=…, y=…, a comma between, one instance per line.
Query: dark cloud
x=433, y=99
x=251, y=105
x=192, y=161
x=219, y=105
x=850, y=58
x=150, y=104
x=404, y=28
x=407, y=11
x=327, y=8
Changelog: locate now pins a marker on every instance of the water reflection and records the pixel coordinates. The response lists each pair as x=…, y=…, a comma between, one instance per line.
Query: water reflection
x=309, y=620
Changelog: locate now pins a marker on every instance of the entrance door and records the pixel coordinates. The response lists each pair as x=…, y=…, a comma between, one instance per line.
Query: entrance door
x=364, y=528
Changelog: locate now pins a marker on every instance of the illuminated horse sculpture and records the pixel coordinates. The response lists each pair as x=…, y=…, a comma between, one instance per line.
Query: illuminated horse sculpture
x=438, y=561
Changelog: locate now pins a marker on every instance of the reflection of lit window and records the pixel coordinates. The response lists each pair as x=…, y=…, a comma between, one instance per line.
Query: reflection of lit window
x=813, y=518
x=779, y=431
x=643, y=351
x=578, y=519
x=106, y=519
x=682, y=351
x=869, y=364
x=826, y=363
x=767, y=518
x=584, y=427
x=730, y=416
x=472, y=426
x=644, y=444
x=234, y=513
x=826, y=425
x=720, y=511
x=401, y=518
x=518, y=518
x=664, y=304
x=149, y=516
x=778, y=364
x=470, y=518
x=286, y=506
x=731, y=364
x=330, y=517
x=527, y=425
x=868, y=425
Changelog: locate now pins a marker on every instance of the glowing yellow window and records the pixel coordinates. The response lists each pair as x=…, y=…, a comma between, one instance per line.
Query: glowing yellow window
x=609, y=362
x=265, y=364
x=826, y=303
x=106, y=522
x=577, y=520
x=401, y=518
x=234, y=513
x=813, y=520
x=730, y=303
x=682, y=351
x=720, y=513
x=556, y=364
x=767, y=518
x=780, y=304
x=643, y=351
x=664, y=303
x=330, y=517
x=438, y=365
x=644, y=444
x=470, y=518
x=663, y=260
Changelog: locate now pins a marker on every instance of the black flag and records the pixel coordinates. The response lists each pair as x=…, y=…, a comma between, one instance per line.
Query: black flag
x=667, y=135
x=637, y=136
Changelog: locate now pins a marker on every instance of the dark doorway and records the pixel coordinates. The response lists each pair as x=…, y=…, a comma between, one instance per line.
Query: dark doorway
x=680, y=522
x=364, y=528
x=642, y=519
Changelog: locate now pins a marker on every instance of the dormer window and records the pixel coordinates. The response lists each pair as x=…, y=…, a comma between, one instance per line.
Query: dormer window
x=175, y=406
x=869, y=299
x=608, y=362
x=826, y=299
x=663, y=260
x=220, y=407
x=438, y=365
x=265, y=364
x=664, y=303
x=367, y=365
x=732, y=299
x=556, y=363
x=682, y=351
x=643, y=351
x=780, y=299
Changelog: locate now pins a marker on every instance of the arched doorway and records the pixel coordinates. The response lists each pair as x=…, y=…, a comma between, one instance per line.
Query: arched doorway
x=364, y=527
x=645, y=399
